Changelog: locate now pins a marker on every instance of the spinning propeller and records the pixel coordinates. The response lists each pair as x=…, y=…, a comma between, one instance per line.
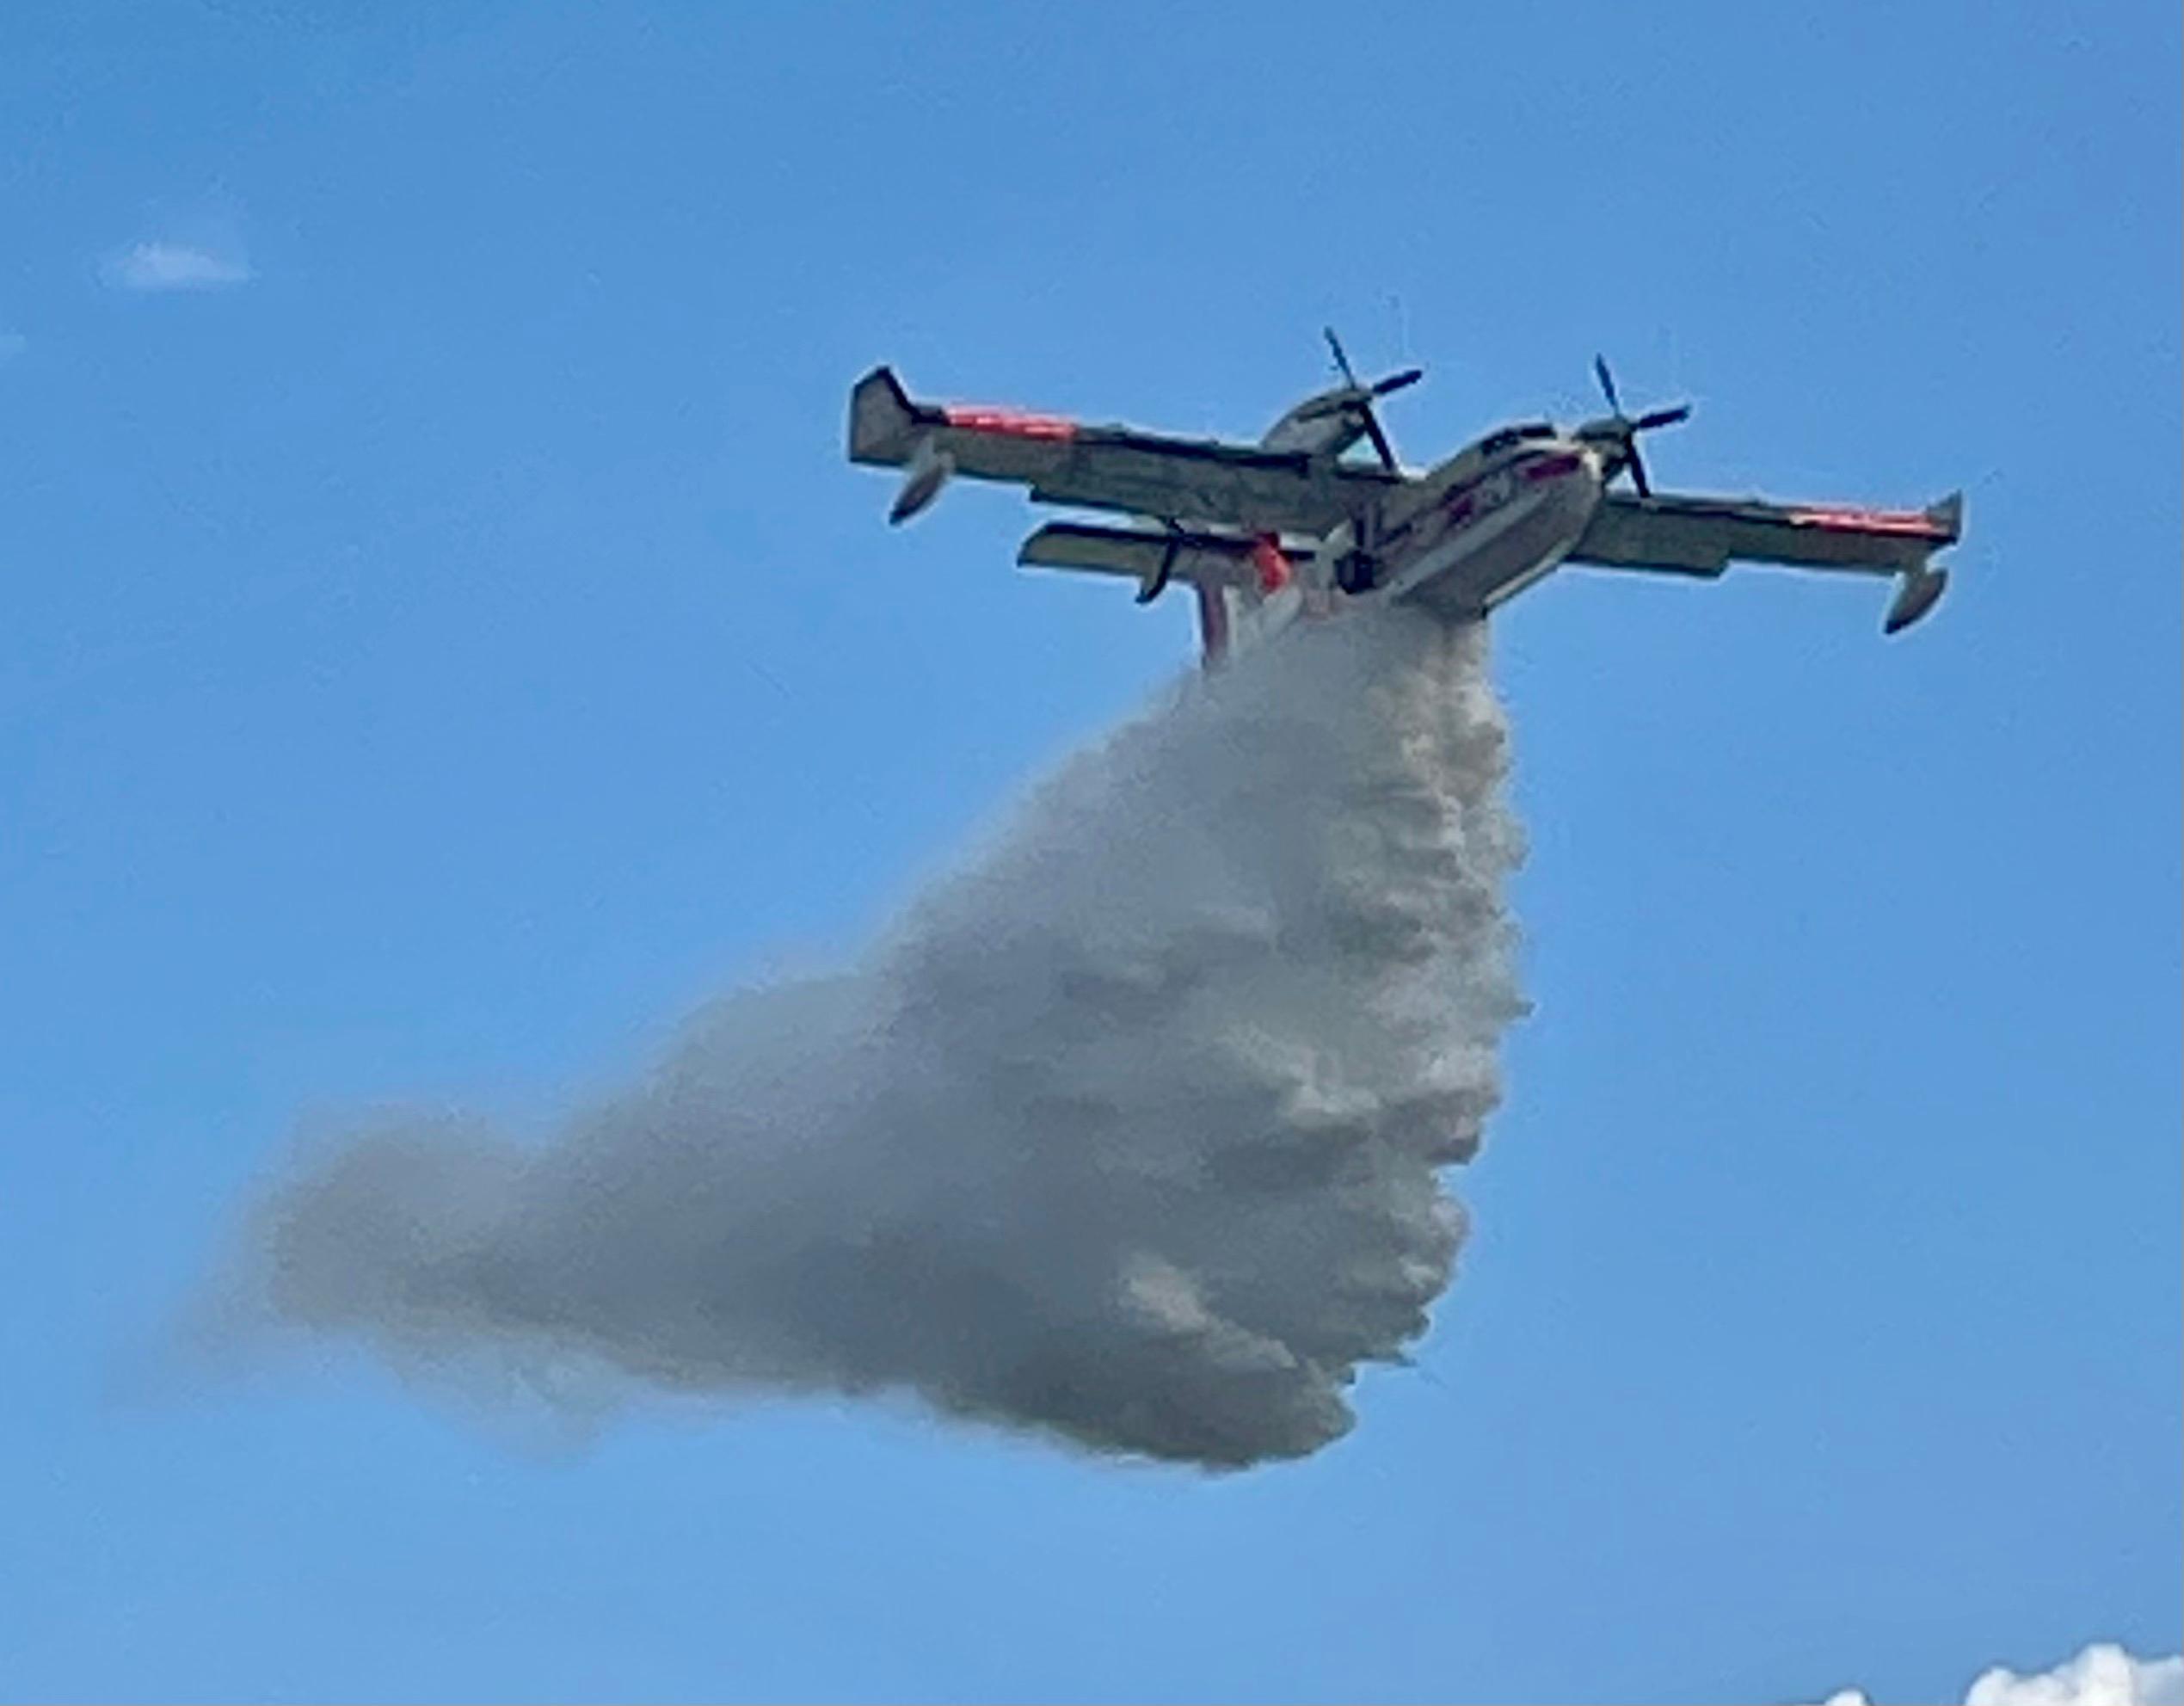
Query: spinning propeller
x=1356, y=398
x=1622, y=429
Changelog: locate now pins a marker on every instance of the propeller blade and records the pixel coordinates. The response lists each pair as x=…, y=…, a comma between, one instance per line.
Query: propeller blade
x=1342, y=362
x=1606, y=384
x=1379, y=438
x=1625, y=430
x=1355, y=399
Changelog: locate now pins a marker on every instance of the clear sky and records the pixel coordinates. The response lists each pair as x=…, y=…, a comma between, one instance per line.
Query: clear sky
x=443, y=642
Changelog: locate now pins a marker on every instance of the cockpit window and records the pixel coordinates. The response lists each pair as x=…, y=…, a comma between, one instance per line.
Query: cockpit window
x=1494, y=443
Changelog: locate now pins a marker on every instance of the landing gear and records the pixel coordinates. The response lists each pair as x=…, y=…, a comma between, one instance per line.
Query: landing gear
x=1157, y=582
x=1355, y=572
x=1358, y=570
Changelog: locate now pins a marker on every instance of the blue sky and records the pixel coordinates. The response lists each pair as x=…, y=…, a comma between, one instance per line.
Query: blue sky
x=444, y=643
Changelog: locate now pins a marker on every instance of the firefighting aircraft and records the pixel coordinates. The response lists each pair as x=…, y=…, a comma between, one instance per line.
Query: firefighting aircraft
x=1263, y=533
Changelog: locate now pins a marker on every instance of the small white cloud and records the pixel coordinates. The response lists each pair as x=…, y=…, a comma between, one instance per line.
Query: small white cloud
x=173, y=266
x=2102, y=1675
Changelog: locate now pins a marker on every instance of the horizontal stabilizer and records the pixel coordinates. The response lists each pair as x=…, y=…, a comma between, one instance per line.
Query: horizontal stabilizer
x=1149, y=558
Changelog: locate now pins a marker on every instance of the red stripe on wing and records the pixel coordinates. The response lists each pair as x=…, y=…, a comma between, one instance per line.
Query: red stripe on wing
x=1015, y=423
x=1909, y=522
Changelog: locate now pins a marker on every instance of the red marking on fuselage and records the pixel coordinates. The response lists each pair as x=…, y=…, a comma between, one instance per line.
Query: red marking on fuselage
x=1905, y=521
x=1274, y=570
x=1015, y=423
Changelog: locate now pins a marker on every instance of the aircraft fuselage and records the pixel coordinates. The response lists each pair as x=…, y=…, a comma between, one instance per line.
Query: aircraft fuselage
x=1487, y=523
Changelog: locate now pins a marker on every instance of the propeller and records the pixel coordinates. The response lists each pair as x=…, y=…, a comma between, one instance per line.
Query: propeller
x=1625, y=429
x=1358, y=398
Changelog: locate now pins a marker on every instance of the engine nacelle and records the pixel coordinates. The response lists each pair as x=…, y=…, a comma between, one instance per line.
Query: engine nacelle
x=923, y=476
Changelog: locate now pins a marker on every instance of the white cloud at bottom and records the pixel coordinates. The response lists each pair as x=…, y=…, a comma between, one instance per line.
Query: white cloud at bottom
x=2102, y=1675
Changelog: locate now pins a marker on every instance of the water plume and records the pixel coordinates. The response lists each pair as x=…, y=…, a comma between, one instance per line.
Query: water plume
x=1129, y=1131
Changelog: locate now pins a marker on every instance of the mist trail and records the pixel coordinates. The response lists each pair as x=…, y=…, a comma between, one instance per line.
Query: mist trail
x=1128, y=1130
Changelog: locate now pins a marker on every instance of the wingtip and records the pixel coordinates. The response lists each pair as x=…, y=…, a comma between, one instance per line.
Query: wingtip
x=880, y=414
x=1921, y=590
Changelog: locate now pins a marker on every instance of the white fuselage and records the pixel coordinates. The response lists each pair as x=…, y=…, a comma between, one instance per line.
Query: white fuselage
x=1489, y=521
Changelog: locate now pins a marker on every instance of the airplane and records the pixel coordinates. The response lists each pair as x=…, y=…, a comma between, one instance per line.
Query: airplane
x=1293, y=527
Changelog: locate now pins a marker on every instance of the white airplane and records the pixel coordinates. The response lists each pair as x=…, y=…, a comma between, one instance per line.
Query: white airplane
x=1288, y=527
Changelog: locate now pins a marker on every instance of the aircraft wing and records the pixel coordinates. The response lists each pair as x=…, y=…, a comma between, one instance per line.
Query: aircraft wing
x=1119, y=468
x=1703, y=536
